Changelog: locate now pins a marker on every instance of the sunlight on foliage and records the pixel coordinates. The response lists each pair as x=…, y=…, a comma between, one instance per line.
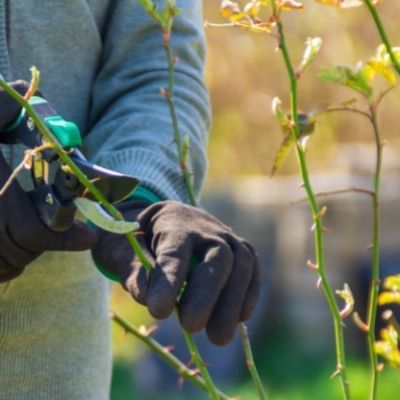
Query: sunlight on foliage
x=391, y=294
x=345, y=3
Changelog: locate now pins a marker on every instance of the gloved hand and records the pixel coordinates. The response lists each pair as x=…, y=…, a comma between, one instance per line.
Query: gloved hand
x=23, y=236
x=222, y=288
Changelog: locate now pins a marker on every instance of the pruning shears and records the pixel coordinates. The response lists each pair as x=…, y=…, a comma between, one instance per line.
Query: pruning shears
x=55, y=187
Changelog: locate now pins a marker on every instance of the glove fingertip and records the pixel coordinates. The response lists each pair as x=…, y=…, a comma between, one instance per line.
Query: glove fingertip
x=218, y=338
x=160, y=307
x=136, y=285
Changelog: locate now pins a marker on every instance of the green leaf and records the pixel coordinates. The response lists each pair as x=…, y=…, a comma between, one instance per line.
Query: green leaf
x=96, y=214
x=344, y=75
x=283, y=152
x=313, y=46
x=284, y=120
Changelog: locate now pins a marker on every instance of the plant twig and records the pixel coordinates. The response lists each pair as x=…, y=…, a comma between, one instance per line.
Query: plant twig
x=374, y=285
x=337, y=192
x=250, y=361
x=183, y=371
x=341, y=369
x=183, y=154
x=25, y=163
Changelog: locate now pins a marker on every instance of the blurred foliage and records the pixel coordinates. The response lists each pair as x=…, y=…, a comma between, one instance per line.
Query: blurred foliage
x=244, y=74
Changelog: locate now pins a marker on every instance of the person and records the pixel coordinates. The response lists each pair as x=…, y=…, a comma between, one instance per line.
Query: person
x=102, y=65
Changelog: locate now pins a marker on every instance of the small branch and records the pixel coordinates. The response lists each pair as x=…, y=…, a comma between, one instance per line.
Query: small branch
x=250, y=361
x=349, y=109
x=318, y=231
x=179, y=366
x=374, y=285
x=337, y=192
x=383, y=95
x=24, y=164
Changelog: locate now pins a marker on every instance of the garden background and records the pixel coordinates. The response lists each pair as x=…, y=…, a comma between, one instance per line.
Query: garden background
x=291, y=331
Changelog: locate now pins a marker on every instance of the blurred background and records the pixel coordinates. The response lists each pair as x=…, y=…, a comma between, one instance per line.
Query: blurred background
x=292, y=330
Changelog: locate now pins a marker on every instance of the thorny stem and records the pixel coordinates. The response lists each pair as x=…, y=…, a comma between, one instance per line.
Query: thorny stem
x=49, y=136
x=318, y=231
x=374, y=286
x=169, y=95
x=189, y=187
x=378, y=22
x=250, y=361
x=179, y=366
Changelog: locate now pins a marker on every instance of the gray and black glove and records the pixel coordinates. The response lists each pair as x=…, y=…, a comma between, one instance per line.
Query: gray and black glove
x=222, y=288
x=23, y=236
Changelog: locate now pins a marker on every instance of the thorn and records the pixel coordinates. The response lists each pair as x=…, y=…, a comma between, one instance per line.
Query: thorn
x=384, y=143
x=164, y=92
x=313, y=226
x=379, y=367
x=368, y=248
x=139, y=233
x=326, y=230
x=337, y=372
x=144, y=331
x=169, y=348
x=175, y=60
x=312, y=266
x=319, y=281
x=300, y=186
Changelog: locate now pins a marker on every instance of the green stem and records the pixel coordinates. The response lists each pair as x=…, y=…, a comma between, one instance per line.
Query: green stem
x=374, y=286
x=49, y=136
x=318, y=231
x=381, y=29
x=250, y=361
x=189, y=186
x=172, y=110
x=169, y=358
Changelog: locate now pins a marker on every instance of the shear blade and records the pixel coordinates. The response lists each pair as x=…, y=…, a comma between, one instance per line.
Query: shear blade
x=114, y=188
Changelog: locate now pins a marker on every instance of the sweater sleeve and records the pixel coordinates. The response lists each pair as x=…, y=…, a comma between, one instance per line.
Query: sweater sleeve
x=131, y=128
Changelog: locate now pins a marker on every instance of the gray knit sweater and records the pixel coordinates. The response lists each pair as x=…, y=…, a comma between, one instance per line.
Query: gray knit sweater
x=102, y=66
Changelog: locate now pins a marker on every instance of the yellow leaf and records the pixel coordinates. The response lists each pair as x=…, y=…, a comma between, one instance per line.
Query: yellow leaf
x=229, y=8
x=389, y=297
x=288, y=5
x=392, y=283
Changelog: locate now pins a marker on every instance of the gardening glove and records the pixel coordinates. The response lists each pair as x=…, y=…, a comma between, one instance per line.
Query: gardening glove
x=23, y=236
x=221, y=288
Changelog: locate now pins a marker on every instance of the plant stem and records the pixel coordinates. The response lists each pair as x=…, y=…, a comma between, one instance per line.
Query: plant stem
x=177, y=135
x=318, y=231
x=49, y=136
x=212, y=391
x=179, y=366
x=250, y=361
x=374, y=286
x=189, y=186
x=381, y=29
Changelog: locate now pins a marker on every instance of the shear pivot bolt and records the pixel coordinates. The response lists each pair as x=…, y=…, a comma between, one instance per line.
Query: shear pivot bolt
x=30, y=124
x=49, y=199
